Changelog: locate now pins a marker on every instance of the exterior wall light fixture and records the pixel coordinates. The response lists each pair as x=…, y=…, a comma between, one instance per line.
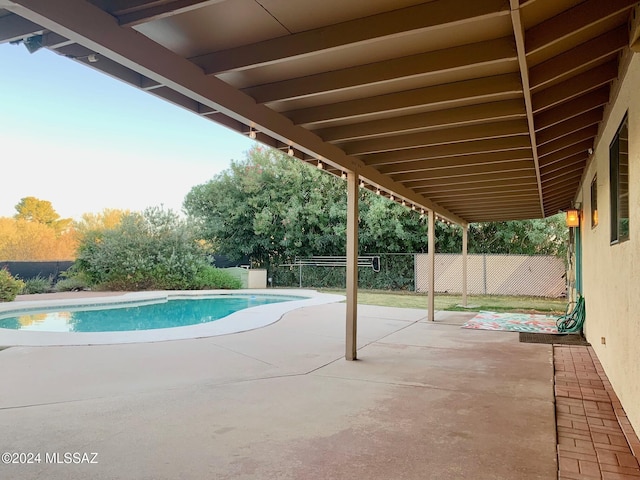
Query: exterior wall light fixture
x=573, y=218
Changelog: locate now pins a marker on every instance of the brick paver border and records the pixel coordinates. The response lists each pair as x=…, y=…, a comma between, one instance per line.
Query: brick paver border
x=595, y=439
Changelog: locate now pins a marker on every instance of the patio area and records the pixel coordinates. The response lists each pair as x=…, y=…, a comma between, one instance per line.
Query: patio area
x=424, y=400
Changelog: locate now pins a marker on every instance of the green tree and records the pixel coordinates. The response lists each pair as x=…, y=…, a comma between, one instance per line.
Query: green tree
x=387, y=227
x=272, y=207
x=531, y=237
x=33, y=209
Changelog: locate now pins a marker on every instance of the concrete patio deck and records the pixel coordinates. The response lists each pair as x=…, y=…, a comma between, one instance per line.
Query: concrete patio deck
x=424, y=401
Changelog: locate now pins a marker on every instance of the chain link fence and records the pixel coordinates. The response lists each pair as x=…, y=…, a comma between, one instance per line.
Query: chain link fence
x=396, y=272
x=492, y=274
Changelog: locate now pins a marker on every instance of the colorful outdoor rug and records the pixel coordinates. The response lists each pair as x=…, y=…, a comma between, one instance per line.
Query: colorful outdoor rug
x=513, y=322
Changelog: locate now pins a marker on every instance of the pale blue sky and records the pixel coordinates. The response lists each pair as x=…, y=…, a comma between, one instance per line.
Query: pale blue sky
x=85, y=142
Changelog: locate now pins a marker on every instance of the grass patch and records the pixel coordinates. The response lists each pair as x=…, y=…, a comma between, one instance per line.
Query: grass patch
x=493, y=303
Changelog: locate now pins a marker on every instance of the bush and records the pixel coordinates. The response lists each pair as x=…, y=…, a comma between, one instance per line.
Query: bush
x=36, y=285
x=72, y=284
x=214, y=278
x=152, y=250
x=9, y=286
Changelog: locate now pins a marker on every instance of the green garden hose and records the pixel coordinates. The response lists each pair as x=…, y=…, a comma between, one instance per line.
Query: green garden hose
x=572, y=322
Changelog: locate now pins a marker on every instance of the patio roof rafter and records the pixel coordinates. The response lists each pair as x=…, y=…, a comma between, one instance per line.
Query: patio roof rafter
x=519, y=33
x=437, y=137
x=131, y=13
x=393, y=70
x=372, y=29
x=461, y=161
x=574, y=20
x=432, y=120
x=499, y=87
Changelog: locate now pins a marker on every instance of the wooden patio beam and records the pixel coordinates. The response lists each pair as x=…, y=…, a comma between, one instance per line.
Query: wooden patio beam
x=444, y=136
x=150, y=10
x=499, y=87
x=585, y=54
x=460, y=116
x=519, y=33
x=576, y=149
x=587, y=119
x=394, y=70
x=458, y=161
x=457, y=185
x=453, y=150
x=572, y=21
x=574, y=138
x=576, y=86
x=422, y=17
x=491, y=169
x=573, y=108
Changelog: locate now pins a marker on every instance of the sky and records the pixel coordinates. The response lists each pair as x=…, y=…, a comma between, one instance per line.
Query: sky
x=85, y=141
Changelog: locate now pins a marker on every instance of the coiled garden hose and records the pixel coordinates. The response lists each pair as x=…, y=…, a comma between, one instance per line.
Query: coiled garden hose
x=572, y=322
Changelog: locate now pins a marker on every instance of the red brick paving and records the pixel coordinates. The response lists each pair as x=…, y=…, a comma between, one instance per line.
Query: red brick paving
x=595, y=439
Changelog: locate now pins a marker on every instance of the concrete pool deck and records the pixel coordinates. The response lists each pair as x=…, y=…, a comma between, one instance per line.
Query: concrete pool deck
x=425, y=400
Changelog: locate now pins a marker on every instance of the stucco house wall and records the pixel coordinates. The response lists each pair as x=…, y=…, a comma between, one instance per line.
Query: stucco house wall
x=611, y=275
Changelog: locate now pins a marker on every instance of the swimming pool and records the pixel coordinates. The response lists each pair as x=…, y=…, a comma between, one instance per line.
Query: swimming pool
x=243, y=320
x=150, y=315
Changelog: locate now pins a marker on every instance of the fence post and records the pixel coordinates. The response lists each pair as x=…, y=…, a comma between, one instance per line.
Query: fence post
x=484, y=272
x=353, y=193
x=300, y=274
x=432, y=265
x=464, y=264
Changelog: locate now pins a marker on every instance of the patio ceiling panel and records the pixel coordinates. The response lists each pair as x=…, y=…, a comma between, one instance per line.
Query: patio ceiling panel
x=482, y=110
x=446, y=136
x=449, y=151
x=494, y=191
x=14, y=27
x=573, y=108
x=414, y=67
x=569, y=126
x=470, y=115
x=458, y=161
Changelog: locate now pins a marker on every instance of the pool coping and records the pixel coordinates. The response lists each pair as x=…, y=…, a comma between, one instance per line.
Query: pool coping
x=242, y=321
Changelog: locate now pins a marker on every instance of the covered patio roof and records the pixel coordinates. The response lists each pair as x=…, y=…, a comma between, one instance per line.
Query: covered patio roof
x=477, y=110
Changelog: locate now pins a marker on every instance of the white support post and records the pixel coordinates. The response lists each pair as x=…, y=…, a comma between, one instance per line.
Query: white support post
x=432, y=265
x=465, y=236
x=352, y=266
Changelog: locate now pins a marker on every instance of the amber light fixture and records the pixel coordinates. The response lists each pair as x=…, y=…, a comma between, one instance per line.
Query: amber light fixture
x=573, y=218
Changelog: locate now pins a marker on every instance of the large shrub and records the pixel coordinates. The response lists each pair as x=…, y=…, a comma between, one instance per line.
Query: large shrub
x=9, y=286
x=155, y=249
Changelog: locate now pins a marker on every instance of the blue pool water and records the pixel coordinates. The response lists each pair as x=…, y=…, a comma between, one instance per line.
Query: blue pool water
x=126, y=317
